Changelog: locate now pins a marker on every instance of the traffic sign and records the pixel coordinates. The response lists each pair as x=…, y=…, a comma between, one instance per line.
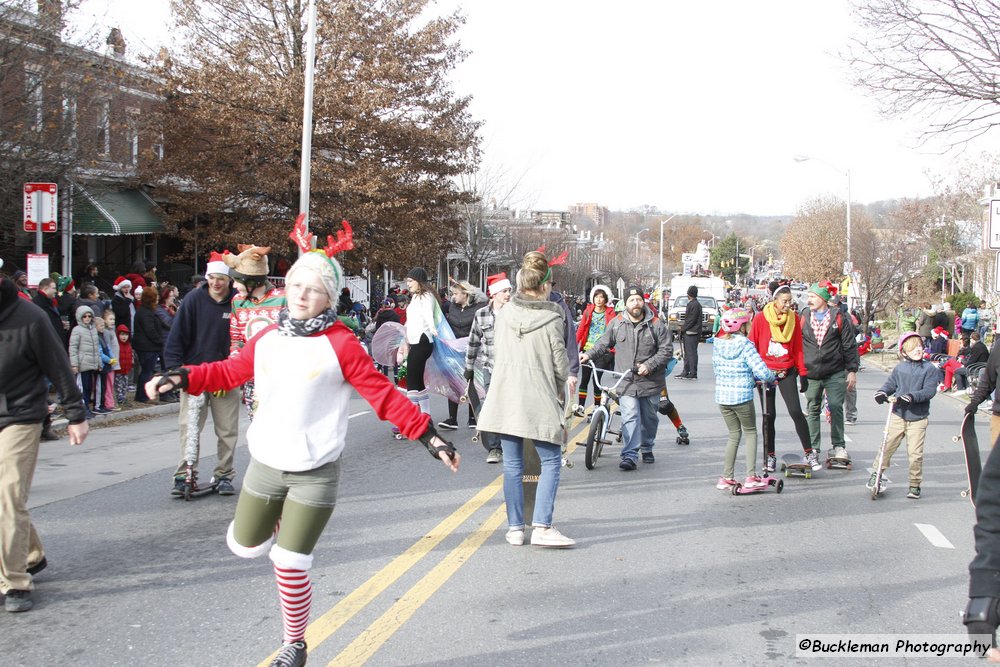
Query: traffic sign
x=41, y=206
x=993, y=231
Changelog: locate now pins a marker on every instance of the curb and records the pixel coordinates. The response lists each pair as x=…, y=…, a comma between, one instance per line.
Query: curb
x=122, y=416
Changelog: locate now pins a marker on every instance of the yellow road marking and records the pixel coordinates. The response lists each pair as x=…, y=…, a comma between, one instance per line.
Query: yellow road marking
x=376, y=634
x=327, y=624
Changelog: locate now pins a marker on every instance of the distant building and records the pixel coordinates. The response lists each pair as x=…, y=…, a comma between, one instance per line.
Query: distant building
x=594, y=214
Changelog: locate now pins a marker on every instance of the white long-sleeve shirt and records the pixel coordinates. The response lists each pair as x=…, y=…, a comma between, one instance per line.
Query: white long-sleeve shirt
x=420, y=318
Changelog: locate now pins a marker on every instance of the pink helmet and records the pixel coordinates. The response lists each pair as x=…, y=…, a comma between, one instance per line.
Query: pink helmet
x=905, y=337
x=734, y=318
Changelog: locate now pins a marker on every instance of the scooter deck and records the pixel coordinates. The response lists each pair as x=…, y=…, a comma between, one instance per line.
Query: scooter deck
x=740, y=490
x=793, y=466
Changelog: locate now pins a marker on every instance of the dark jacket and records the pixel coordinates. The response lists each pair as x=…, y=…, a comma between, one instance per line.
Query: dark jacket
x=648, y=342
x=692, y=317
x=30, y=353
x=386, y=315
x=977, y=353
x=461, y=318
x=839, y=351
x=123, y=310
x=200, y=332
x=920, y=380
x=45, y=303
x=988, y=380
x=569, y=333
x=984, y=570
x=148, y=334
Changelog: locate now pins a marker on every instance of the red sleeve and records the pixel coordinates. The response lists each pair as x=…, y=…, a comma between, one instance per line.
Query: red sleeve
x=387, y=401
x=760, y=334
x=584, y=328
x=796, y=350
x=228, y=373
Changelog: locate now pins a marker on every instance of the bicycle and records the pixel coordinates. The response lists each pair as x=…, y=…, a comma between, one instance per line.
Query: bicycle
x=602, y=418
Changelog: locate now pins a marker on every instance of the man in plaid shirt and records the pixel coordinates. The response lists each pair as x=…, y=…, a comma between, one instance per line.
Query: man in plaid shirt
x=831, y=359
x=481, y=346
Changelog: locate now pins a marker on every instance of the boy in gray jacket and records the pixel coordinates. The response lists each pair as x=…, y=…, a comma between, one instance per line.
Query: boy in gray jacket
x=914, y=381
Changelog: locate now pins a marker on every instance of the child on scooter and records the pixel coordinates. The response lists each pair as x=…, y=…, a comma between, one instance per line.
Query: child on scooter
x=738, y=367
x=914, y=381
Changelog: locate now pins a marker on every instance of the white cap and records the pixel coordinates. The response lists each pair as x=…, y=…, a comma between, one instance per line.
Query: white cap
x=217, y=267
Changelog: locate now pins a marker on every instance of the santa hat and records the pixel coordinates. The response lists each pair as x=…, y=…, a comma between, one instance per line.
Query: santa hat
x=121, y=282
x=497, y=283
x=216, y=265
x=940, y=331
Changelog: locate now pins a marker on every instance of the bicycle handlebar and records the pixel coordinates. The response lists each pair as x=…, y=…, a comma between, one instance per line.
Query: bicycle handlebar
x=621, y=376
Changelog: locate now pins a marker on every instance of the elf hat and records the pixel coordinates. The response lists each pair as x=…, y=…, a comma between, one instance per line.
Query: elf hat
x=497, y=283
x=821, y=292
x=216, y=265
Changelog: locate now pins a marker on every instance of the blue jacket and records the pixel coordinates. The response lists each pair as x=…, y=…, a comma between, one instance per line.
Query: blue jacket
x=970, y=319
x=200, y=332
x=737, y=366
x=920, y=379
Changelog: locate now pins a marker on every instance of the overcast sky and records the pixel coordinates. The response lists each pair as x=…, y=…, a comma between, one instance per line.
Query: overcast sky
x=695, y=107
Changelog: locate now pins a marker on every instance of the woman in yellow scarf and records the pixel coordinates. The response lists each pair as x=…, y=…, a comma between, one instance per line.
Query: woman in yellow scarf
x=777, y=334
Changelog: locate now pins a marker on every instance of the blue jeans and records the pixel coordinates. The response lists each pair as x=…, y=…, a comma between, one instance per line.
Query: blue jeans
x=639, y=423
x=550, y=455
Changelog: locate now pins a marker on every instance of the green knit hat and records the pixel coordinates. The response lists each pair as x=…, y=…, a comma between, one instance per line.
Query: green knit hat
x=821, y=292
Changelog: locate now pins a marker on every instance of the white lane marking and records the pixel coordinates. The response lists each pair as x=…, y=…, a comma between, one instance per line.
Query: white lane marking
x=358, y=414
x=934, y=536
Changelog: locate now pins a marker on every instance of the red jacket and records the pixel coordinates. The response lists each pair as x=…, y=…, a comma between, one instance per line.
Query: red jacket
x=583, y=328
x=775, y=358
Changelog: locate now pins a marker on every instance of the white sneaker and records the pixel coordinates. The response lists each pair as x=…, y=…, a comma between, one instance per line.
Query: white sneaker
x=549, y=537
x=515, y=537
x=579, y=411
x=840, y=453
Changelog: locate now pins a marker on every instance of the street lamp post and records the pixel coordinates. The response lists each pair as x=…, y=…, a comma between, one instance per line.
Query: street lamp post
x=662, y=222
x=638, y=276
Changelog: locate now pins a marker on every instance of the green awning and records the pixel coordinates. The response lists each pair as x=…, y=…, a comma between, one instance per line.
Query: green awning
x=114, y=212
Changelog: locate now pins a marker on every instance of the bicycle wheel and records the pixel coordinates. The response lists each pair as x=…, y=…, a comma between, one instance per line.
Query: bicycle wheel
x=595, y=438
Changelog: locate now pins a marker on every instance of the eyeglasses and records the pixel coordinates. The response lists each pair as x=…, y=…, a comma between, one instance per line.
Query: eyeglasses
x=86, y=316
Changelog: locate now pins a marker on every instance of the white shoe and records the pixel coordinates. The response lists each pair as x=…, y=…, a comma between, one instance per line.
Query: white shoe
x=515, y=537
x=549, y=537
x=579, y=411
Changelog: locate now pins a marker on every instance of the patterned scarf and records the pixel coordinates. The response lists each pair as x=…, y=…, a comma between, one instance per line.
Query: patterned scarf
x=782, y=325
x=292, y=327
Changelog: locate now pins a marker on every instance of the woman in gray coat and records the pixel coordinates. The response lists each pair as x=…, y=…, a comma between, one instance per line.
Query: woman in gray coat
x=85, y=355
x=527, y=398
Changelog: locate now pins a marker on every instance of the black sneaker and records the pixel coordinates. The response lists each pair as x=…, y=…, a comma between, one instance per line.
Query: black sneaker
x=16, y=601
x=647, y=457
x=178, y=489
x=39, y=566
x=448, y=424
x=224, y=487
x=290, y=655
x=627, y=464
x=472, y=424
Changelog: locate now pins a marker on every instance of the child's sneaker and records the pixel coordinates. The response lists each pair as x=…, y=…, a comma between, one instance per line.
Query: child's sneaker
x=914, y=492
x=871, y=482
x=771, y=463
x=725, y=483
x=754, y=482
x=812, y=458
x=579, y=411
x=881, y=484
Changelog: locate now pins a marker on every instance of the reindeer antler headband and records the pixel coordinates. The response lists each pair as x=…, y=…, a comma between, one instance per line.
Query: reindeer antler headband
x=303, y=238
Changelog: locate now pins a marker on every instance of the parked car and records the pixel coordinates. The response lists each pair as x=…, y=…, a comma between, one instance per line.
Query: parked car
x=709, y=311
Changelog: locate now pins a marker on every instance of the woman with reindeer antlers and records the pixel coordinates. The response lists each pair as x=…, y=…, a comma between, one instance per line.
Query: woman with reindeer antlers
x=306, y=367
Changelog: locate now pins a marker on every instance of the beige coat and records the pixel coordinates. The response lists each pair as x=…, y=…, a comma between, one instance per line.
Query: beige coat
x=528, y=387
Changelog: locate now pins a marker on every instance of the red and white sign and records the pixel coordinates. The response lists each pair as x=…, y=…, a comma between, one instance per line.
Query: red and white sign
x=41, y=206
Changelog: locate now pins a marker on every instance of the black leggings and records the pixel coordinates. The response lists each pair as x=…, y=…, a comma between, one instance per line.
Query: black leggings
x=416, y=361
x=790, y=393
x=585, y=374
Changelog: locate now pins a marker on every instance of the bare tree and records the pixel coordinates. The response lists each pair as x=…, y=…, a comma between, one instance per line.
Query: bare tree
x=939, y=59
x=815, y=245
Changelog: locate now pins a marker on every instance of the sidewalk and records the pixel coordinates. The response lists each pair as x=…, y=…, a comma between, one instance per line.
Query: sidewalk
x=886, y=361
x=131, y=412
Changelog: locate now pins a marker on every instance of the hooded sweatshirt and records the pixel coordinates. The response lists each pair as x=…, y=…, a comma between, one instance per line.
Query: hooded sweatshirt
x=920, y=380
x=124, y=349
x=737, y=366
x=30, y=353
x=84, y=346
x=528, y=388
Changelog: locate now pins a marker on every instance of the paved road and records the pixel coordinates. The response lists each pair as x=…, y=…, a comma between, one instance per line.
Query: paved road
x=413, y=568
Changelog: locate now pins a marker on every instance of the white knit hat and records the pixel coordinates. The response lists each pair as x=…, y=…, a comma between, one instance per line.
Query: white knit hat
x=329, y=271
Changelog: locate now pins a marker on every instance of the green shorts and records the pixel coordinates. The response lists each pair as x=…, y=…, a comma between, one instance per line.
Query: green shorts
x=315, y=488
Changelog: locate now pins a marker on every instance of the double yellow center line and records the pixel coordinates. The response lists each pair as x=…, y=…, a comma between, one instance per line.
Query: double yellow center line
x=376, y=634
